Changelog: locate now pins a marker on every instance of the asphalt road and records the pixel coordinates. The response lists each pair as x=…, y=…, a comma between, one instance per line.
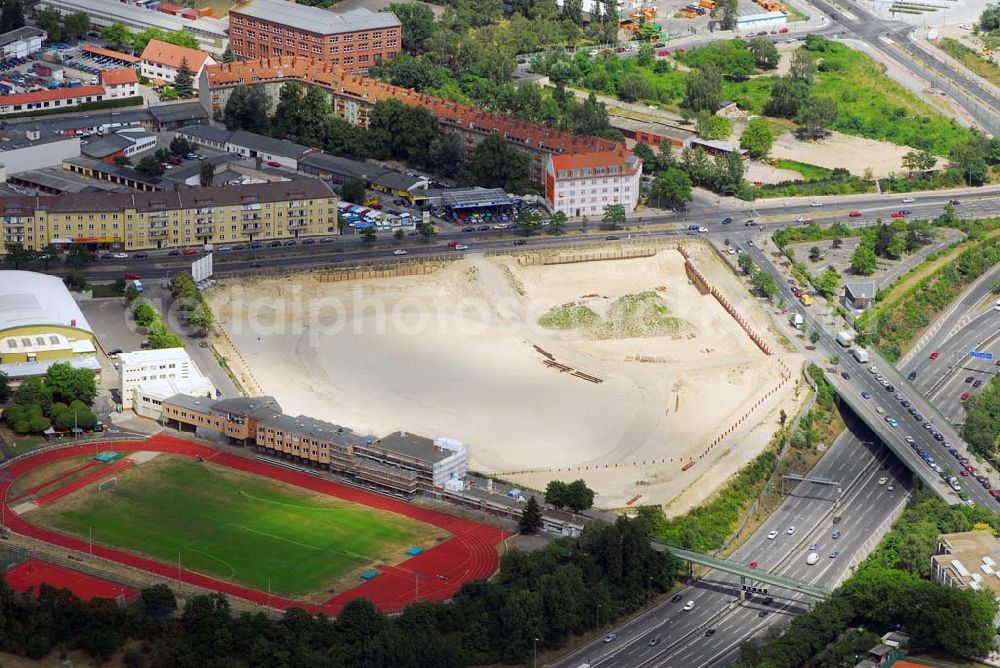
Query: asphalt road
x=810, y=508
x=351, y=248
x=863, y=381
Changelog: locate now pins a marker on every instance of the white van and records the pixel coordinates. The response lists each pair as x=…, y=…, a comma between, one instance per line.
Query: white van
x=812, y=558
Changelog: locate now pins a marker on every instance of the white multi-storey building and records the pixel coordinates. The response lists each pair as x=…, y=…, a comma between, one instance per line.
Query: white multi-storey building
x=585, y=183
x=147, y=377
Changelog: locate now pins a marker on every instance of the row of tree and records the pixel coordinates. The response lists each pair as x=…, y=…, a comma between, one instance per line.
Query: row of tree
x=191, y=303
x=61, y=400
x=574, y=495
x=119, y=37
x=538, y=599
x=59, y=26
x=889, y=241
x=146, y=316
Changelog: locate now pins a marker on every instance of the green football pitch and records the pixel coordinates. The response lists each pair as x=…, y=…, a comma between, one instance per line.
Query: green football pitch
x=236, y=526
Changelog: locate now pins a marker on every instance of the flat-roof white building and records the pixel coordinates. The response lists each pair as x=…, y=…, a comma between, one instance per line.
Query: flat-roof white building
x=147, y=377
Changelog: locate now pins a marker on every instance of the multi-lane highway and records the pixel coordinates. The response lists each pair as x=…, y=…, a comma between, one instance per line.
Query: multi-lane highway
x=857, y=510
x=709, y=213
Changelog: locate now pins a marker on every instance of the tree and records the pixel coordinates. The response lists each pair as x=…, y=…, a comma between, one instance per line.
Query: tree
x=447, y=155
x=5, y=390
x=12, y=16
x=151, y=165
x=814, y=337
x=51, y=21
x=184, y=81
x=712, y=126
x=531, y=517
x=116, y=35
x=18, y=255
x=67, y=384
x=703, y=91
x=765, y=53
x=815, y=254
x=745, y=263
x=828, y=283
x=614, y=215
x=529, y=221
x=555, y=494
x=971, y=158
x=177, y=37
x=816, y=116
x=206, y=173
x=402, y=131
x=989, y=20
x=578, y=496
x=32, y=391
x=353, y=191
x=418, y=24
x=788, y=95
x=557, y=224
x=803, y=66
x=633, y=87
x=757, y=138
x=764, y=283
x=246, y=109
x=76, y=25
x=495, y=164
x=919, y=161
x=863, y=260
x=427, y=230
x=725, y=13
x=671, y=188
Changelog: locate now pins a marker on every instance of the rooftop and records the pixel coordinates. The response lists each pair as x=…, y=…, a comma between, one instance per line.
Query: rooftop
x=310, y=427
x=268, y=145
x=117, y=55
x=11, y=141
x=28, y=298
x=183, y=111
x=135, y=16
x=121, y=171
x=475, y=197
x=154, y=356
x=359, y=169
x=860, y=288
x=247, y=405
x=972, y=559
x=41, y=367
x=620, y=158
x=314, y=19
x=411, y=445
x=172, y=55
x=125, y=75
x=50, y=95
x=369, y=91
x=206, y=132
x=16, y=35
x=201, y=404
x=105, y=146
x=62, y=181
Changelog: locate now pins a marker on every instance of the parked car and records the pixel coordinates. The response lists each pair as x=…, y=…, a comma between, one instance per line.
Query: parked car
x=190, y=251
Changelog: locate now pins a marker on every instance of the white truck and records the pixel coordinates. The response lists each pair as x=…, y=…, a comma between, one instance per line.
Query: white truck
x=796, y=320
x=860, y=354
x=845, y=339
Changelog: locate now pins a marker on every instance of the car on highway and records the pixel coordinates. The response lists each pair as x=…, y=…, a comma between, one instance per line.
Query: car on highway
x=174, y=252
x=610, y=637
x=909, y=200
x=934, y=355
x=812, y=558
x=709, y=633
x=190, y=251
x=905, y=212
x=835, y=535
x=255, y=265
x=968, y=379
x=977, y=383
x=815, y=204
x=130, y=276
x=866, y=395
x=762, y=613
x=995, y=493
x=727, y=221
x=399, y=251
x=803, y=220
x=965, y=396
x=654, y=641
x=749, y=242
x=773, y=534
x=897, y=214
x=845, y=375
x=954, y=202
x=890, y=488
x=790, y=530
x=688, y=607
x=834, y=553
x=912, y=375
x=883, y=480
x=813, y=546
x=676, y=598
x=141, y=256
x=461, y=247
x=120, y=256
x=855, y=214
x=892, y=421
x=274, y=244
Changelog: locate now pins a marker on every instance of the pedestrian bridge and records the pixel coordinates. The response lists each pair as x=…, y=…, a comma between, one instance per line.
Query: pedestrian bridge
x=745, y=572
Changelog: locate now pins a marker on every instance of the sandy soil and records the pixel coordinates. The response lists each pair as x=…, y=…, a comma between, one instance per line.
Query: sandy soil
x=839, y=150
x=758, y=171
x=453, y=354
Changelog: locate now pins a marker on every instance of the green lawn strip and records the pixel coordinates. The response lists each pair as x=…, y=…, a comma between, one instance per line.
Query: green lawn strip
x=808, y=172
x=236, y=526
x=45, y=474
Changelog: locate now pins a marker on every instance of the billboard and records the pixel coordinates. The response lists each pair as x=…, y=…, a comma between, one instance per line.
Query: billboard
x=201, y=268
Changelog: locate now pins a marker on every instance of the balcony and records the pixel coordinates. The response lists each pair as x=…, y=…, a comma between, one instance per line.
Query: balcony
x=297, y=223
x=251, y=216
x=159, y=233
x=204, y=231
x=250, y=229
x=157, y=215
x=204, y=221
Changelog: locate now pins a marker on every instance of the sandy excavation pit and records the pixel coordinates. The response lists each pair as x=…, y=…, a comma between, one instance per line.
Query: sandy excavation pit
x=461, y=353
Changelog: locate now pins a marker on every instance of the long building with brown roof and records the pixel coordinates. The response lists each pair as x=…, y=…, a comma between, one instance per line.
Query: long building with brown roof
x=352, y=96
x=172, y=219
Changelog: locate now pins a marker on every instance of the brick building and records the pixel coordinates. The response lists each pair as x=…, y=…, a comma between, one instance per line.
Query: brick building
x=352, y=96
x=355, y=40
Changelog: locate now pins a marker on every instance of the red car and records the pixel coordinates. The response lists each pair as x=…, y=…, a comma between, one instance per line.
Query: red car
x=855, y=214
x=190, y=251
x=782, y=31
x=995, y=492
x=680, y=49
x=663, y=52
x=273, y=163
x=897, y=214
x=965, y=395
x=131, y=277
x=970, y=468
x=965, y=474
x=796, y=292
x=933, y=355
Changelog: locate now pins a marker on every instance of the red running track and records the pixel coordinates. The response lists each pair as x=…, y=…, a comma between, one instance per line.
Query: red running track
x=438, y=573
x=29, y=575
x=37, y=488
x=81, y=482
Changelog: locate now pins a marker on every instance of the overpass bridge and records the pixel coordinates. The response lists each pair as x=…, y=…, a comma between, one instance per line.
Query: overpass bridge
x=745, y=572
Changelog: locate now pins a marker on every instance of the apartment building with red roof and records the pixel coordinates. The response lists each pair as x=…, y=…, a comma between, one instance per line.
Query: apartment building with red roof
x=119, y=83
x=161, y=61
x=59, y=98
x=352, y=96
x=583, y=184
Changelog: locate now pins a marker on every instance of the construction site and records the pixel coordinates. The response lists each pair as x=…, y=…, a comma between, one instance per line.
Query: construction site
x=570, y=367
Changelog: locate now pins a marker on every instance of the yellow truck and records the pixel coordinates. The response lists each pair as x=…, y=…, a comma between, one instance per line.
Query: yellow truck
x=806, y=299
